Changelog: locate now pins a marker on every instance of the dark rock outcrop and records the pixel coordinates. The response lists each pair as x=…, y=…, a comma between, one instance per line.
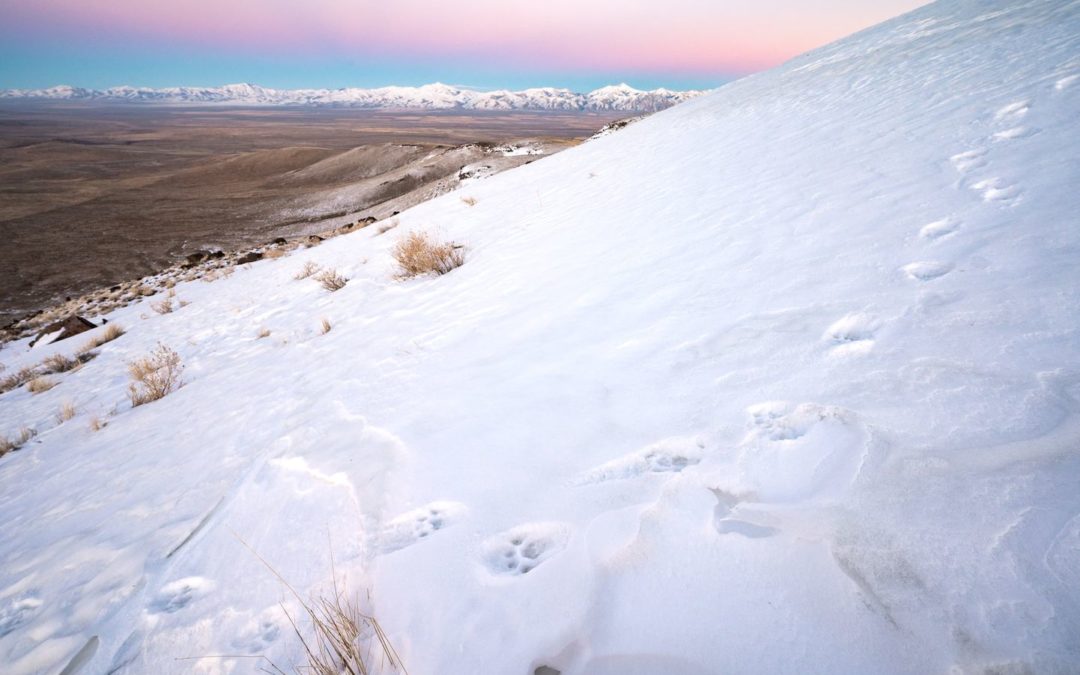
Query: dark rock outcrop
x=72, y=325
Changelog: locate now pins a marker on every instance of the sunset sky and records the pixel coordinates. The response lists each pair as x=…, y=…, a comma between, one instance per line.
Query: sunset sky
x=579, y=44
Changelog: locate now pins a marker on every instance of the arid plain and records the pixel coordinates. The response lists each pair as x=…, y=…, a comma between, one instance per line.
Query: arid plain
x=94, y=195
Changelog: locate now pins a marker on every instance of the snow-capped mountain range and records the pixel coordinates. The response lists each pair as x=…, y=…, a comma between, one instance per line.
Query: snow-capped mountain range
x=436, y=96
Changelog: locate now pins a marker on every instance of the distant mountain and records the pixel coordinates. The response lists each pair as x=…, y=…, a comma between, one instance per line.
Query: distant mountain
x=436, y=96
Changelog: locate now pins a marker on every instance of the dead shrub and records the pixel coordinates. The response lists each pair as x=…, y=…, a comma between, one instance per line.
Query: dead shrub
x=263, y=333
x=17, y=379
x=325, y=326
x=274, y=253
x=162, y=306
x=469, y=201
x=67, y=411
x=154, y=376
x=307, y=270
x=14, y=443
x=418, y=254
x=111, y=332
x=331, y=280
x=60, y=363
x=39, y=385
x=96, y=423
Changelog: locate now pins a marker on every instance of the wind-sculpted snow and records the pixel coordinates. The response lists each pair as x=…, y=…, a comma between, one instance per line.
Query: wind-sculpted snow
x=428, y=97
x=785, y=379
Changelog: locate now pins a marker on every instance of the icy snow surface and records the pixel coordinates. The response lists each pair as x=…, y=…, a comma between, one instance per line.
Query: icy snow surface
x=783, y=379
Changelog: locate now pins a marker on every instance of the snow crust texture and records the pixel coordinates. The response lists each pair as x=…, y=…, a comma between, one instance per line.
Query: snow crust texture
x=785, y=379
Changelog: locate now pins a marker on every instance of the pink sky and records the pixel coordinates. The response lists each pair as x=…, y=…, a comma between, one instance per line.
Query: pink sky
x=677, y=36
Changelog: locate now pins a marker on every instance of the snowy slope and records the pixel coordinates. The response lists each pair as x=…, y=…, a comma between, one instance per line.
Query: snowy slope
x=784, y=379
x=428, y=97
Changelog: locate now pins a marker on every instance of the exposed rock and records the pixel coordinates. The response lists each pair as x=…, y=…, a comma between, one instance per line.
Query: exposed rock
x=72, y=325
x=280, y=241
x=313, y=240
x=197, y=257
x=249, y=257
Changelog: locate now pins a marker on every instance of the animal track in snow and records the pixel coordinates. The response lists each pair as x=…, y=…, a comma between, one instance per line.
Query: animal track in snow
x=520, y=550
x=854, y=333
x=1066, y=82
x=178, y=594
x=938, y=229
x=1014, y=133
x=967, y=161
x=1013, y=111
x=671, y=455
x=996, y=190
x=412, y=526
x=793, y=452
x=927, y=270
x=725, y=522
x=16, y=612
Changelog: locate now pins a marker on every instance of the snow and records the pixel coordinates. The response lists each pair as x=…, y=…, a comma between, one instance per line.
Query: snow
x=783, y=379
x=435, y=96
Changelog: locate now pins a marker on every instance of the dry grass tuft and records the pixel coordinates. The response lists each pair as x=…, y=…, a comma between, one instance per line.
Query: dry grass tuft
x=67, y=411
x=274, y=253
x=39, y=385
x=59, y=363
x=111, y=332
x=418, y=254
x=155, y=376
x=162, y=306
x=345, y=640
x=263, y=333
x=96, y=423
x=17, y=379
x=383, y=229
x=469, y=201
x=331, y=280
x=9, y=444
x=325, y=326
x=307, y=270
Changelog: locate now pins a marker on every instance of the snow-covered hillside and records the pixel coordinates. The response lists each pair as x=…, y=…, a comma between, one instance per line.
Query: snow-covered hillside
x=428, y=97
x=783, y=379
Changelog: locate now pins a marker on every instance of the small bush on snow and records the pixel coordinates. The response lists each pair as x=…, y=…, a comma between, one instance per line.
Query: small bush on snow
x=417, y=253
x=154, y=376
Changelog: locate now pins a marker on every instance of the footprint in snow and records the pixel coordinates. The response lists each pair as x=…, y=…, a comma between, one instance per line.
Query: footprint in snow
x=938, y=229
x=179, y=594
x=1013, y=111
x=996, y=190
x=852, y=334
x=522, y=549
x=968, y=161
x=671, y=455
x=794, y=452
x=16, y=612
x=1014, y=133
x=728, y=520
x=926, y=271
x=412, y=526
x=1066, y=82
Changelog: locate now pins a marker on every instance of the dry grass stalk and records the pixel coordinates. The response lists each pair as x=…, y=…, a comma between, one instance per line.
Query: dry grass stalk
x=111, y=332
x=96, y=423
x=325, y=326
x=155, y=376
x=344, y=636
x=418, y=254
x=39, y=385
x=331, y=280
x=307, y=270
x=67, y=411
x=17, y=379
x=162, y=306
x=469, y=201
x=9, y=444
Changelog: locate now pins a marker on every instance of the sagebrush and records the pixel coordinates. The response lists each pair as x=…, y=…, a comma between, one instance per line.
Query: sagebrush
x=154, y=376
